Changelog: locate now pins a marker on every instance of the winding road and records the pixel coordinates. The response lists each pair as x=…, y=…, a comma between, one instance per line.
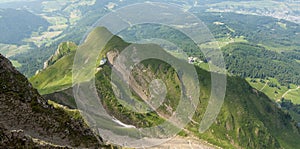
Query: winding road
x=290, y=90
x=264, y=86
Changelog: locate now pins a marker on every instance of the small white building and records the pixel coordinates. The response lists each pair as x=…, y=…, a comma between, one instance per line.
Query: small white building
x=103, y=61
x=192, y=60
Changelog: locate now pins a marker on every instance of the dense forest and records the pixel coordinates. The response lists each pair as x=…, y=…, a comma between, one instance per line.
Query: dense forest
x=293, y=54
x=256, y=29
x=181, y=41
x=288, y=105
x=248, y=60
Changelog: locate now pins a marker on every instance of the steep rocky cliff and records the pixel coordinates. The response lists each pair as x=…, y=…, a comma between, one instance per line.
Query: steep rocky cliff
x=27, y=120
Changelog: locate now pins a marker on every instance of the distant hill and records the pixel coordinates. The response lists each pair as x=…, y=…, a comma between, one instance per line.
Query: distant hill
x=248, y=118
x=253, y=46
x=274, y=34
x=16, y=25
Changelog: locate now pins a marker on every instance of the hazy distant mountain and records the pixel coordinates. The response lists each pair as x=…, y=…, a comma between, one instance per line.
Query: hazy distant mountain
x=16, y=25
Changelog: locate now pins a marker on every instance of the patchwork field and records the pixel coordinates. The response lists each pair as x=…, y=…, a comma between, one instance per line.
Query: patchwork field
x=275, y=91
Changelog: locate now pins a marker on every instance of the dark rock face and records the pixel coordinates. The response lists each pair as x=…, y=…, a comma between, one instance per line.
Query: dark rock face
x=24, y=114
x=18, y=139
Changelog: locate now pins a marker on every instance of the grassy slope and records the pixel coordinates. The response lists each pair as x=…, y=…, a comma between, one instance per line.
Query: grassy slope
x=250, y=120
x=247, y=119
x=59, y=76
x=55, y=77
x=270, y=86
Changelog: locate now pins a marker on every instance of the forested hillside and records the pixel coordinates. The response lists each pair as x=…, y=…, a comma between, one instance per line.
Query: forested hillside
x=246, y=60
x=248, y=118
x=17, y=25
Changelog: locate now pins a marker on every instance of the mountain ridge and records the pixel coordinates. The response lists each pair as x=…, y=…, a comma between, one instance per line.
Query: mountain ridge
x=248, y=118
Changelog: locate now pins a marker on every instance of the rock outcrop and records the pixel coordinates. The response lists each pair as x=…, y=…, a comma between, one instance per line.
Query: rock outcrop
x=24, y=115
x=63, y=49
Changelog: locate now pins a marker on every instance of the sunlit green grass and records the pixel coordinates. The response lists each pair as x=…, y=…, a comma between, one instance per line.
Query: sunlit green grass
x=55, y=77
x=294, y=96
x=16, y=64
x=276, y=93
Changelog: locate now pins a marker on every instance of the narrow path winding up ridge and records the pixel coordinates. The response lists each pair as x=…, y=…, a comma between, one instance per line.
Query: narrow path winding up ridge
x=283, y=95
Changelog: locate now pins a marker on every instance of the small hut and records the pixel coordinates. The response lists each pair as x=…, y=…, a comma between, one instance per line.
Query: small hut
x=103, y=61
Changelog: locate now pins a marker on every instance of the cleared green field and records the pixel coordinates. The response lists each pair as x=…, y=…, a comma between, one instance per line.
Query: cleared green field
x=282, y=25
x=47, y=80
x=278, y=48
x=271, y=87
x=11, y=50
x=16, y=64
x=257, y=83
x=294, y=96
x=275, y=91
x=223, y=42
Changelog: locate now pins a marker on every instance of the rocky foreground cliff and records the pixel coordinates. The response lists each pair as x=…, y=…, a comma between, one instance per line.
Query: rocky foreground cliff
x=28, y=121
